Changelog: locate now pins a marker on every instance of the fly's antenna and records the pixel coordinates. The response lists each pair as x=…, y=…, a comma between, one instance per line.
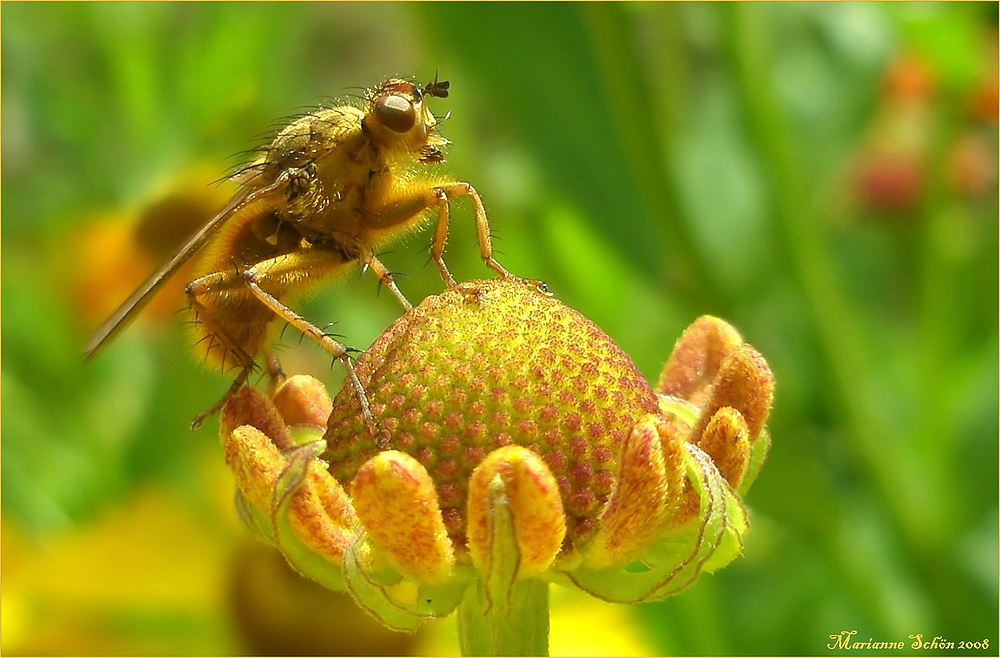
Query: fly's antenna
x=437, y=88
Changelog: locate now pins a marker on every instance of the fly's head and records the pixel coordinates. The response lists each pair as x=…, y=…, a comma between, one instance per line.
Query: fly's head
x=397, y=118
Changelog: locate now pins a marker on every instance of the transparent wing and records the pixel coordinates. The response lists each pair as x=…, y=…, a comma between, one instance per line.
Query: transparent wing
x=246, y=201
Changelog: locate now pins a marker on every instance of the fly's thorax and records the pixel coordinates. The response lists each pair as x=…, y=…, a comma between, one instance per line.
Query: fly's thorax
x=303, y=143
x=309, y=138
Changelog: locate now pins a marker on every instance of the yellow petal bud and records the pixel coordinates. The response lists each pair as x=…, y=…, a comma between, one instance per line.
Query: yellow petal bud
x=535, y=505
x=395, y=500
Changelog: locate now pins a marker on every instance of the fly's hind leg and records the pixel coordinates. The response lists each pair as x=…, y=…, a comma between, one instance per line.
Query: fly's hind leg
x=214, y=332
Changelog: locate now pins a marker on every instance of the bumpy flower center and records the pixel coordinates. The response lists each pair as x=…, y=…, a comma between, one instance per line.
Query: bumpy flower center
x=472, y=370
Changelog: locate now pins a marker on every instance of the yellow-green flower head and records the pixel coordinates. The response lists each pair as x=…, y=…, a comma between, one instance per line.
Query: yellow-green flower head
x=509, y=439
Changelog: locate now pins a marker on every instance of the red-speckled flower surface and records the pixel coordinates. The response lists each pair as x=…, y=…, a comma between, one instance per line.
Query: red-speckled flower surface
x=464, y=375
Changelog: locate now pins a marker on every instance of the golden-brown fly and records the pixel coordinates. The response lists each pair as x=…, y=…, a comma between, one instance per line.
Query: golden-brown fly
x=332, y=188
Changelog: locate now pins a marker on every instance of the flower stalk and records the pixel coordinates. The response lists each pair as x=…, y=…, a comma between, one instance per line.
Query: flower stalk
x=500, y=615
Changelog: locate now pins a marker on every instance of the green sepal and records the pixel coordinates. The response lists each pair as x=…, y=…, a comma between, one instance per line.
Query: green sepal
x=504, y=554
x=758, y=455
x=371, y=588
x=676, y=560
x=300, y=556
x=253, y=519
x=679, y=407
x=501, y=615
x=305, y=434
x=733, y=525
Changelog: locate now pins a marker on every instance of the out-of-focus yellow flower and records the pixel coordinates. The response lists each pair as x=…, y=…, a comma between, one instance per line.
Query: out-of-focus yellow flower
x=146, y=579
x=112, y=255
x=514, y=442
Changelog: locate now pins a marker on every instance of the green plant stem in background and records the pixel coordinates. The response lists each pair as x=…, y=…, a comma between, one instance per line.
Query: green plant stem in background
x=914, y=489
x=642, y=133
x=802, y=235
x=940, y=311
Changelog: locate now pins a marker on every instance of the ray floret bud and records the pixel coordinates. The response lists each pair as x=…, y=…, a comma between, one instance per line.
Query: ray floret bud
x=514, y=444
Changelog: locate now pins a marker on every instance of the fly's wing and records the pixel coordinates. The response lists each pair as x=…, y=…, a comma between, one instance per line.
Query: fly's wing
x=263, y=198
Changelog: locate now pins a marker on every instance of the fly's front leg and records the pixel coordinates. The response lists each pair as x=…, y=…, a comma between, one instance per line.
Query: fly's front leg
x=252, y=278
x=399, y=206
x=441, y=197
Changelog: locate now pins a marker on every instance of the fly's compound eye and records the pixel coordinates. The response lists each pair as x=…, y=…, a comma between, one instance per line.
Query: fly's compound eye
x=396, y=113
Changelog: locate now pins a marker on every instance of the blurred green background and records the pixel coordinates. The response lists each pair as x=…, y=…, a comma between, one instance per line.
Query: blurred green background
x=823, y=176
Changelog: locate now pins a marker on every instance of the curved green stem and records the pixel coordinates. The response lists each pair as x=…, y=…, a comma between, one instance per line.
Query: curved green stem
x=501, y=614
x=512, y=625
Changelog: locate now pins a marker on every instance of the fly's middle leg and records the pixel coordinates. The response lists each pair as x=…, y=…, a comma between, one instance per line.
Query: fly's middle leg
x=385, y=278
x=272, y=269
